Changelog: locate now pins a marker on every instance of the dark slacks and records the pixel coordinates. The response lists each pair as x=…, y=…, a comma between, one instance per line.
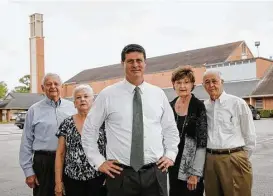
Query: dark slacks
x=146, y=182
x=93, y=187
x=44, y=167
x=179, y=187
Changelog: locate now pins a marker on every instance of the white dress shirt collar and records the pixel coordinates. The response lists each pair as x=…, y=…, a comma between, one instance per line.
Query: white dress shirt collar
x=131, y=88
x=52, y=102
x=223, y=97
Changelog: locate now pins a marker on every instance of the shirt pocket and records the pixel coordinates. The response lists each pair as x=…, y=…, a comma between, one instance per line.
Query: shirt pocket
x=227, y=123
x=152, y=112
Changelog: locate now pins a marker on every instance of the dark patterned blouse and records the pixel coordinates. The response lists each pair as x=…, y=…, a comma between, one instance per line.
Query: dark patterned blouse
x=76, y=165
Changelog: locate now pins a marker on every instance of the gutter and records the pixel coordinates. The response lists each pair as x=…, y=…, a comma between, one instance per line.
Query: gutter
x=253, y=96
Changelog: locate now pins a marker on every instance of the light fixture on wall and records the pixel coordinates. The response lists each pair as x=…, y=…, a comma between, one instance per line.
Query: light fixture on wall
x=257, y=44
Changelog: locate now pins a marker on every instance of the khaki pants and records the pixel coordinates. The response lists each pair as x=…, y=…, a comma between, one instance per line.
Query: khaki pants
x=228, y=175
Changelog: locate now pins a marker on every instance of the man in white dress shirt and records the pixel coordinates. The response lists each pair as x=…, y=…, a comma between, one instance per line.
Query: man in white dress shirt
x=141, y=132
x=231, y=141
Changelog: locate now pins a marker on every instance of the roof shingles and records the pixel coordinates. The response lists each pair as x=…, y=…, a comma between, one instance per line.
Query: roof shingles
x=21, y=100
x=265, y=86
x=209, y=55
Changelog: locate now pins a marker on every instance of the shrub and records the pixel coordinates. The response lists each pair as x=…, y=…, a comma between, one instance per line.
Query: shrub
x=266, y=113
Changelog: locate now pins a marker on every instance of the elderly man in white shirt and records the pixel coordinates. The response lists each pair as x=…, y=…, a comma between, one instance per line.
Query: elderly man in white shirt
x=231, y=140
x=141, y=132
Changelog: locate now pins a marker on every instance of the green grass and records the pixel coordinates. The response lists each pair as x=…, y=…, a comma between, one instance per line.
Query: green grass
x=5, y=122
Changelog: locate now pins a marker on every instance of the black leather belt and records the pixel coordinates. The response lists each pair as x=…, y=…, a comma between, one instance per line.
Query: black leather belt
x=144, y=167
x=224, y=151
x=47, y=153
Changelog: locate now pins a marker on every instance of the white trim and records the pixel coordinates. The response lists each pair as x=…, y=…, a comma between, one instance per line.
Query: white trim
x=166, y=88
x=68, y=83
x=231, y=81
x=267, y=95
x=227, y=63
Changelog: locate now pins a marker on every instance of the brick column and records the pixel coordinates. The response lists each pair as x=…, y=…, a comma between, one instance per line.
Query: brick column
x=37, y=70
x=251, y=102
x=1, y=116
x=8, y=116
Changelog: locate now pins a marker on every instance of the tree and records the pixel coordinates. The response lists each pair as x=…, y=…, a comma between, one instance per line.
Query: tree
x=3, y=89
x=25, y=88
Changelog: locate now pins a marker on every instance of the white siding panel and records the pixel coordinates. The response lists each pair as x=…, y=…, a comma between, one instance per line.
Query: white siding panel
x=239, y=71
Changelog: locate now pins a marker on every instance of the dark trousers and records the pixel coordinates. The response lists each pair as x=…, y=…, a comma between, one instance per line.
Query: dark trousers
x=179, y=187
x=93, y=187
x=44, y=167
x=146, y=182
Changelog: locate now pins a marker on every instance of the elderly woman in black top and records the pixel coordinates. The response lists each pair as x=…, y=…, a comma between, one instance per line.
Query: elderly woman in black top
x=73, y=174
x=190, y=114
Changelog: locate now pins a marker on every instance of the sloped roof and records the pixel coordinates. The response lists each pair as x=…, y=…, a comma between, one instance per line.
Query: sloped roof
x=239, y=88
x=209, y=55
x=21, y=100
x=265, y=86
x=3, y=103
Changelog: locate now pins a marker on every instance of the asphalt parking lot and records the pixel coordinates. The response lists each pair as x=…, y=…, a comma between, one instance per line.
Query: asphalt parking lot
x=12, y=178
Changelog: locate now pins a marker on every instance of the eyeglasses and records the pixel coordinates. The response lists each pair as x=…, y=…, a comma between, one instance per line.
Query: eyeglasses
x=207, y=82
x=52, y=84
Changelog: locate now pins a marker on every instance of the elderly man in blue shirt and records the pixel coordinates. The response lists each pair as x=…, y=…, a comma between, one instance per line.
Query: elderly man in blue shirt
x=39, y=143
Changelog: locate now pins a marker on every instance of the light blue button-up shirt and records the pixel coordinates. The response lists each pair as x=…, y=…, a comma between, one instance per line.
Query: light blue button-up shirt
x=41, y=124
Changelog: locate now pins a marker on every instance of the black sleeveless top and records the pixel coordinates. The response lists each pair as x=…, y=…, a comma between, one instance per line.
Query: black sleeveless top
x=180, y=121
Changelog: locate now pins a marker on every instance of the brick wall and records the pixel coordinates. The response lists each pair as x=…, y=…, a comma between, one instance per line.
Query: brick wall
x=40, y=63
x=268, y=103
x=237, y=53
x=8, y=116
x=161, y=79
x=262, y=66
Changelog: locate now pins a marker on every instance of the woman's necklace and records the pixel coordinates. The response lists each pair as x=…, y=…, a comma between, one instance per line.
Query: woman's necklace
x=183, y=126
x=182, y=110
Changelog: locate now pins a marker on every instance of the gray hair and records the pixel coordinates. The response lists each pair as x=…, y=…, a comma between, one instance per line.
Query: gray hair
x=214, y=72
x=83, y=87
x=53, y=75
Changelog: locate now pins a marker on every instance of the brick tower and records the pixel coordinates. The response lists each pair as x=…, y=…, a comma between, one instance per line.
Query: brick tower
x=36, y=40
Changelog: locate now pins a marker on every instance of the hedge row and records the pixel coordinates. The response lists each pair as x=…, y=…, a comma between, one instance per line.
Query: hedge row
x=266, y=113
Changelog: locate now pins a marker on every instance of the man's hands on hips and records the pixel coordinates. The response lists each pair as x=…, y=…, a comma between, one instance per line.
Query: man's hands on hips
x=110, y=168
x=32, y=181
x=164, y=163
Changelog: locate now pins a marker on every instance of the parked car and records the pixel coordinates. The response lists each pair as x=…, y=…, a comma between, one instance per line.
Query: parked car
x=20, y=120
x=255, y=113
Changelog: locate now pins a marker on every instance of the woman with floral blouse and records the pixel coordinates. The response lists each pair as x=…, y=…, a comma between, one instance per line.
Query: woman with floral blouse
x=74, y=176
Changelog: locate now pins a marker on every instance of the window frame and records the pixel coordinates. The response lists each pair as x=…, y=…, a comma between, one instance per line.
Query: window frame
x=260, y=104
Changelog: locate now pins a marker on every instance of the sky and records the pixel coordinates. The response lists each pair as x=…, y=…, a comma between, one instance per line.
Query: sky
x=88, y=34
